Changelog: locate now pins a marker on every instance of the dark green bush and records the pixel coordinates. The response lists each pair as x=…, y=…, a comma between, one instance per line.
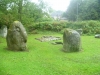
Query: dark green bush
x=6, y=19
x=89, y=27
x=53, y=26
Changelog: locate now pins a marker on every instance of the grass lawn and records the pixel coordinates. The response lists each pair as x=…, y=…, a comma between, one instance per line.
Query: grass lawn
x=44, y=58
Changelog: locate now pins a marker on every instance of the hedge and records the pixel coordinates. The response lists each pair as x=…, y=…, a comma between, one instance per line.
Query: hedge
x=89, y=27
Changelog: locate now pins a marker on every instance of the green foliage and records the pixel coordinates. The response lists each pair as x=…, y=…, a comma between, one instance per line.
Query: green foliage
x=53, y=25
x=89, y=27
x=44, y=58
x=6, y=19
x=23, y=10
x=83, y=10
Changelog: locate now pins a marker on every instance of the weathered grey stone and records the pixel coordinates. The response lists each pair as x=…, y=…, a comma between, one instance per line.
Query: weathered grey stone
x=79, y=31
x=3, y=31
x=71, y=41
x=16, y=37
x=97, y=36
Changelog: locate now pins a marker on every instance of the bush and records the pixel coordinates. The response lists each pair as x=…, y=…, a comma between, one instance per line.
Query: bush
x=89, y=27
x=53, y=26
x=6, y=19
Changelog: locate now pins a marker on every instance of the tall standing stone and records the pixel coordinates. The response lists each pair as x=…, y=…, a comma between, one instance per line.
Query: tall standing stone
x=71, y=41
x=16, y=37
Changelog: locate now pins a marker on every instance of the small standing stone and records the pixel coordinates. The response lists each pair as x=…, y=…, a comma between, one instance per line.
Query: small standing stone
x=3, y=31
x=16, y=37
x=71, y=41
x=79, y=31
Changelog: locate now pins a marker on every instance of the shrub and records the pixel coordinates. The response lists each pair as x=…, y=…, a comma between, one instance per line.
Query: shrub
x=6, y=19
x=53, y=26
x=89, y=27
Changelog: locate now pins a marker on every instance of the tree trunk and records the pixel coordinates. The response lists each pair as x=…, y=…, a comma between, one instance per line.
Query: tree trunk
x=20, y=10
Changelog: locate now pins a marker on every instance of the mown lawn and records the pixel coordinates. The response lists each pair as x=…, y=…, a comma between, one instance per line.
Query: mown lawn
x=44, y=58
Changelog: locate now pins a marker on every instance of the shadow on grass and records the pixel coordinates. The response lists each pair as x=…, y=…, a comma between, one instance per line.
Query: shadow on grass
x=7, y=50
x=64, y=51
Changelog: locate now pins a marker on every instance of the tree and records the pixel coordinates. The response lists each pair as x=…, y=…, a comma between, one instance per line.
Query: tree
x=20, y=3
x=22, y=10
x=83, y=10
x=72, y=11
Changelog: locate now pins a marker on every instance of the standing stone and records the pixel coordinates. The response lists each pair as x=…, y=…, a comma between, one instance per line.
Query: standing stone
x=79, y=31
x=71, y=41
x=16, y=37
x=3, y=31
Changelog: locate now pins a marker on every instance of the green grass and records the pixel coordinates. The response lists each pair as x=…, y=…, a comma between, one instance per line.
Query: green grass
x=44, y=58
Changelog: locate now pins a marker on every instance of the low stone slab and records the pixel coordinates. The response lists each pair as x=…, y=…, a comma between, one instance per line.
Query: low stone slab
x=57, y=43
x=97, y=36
x=47, y=38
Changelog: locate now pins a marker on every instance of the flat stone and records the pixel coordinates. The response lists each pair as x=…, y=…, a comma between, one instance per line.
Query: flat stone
x=97, y=36
x=48, y=38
